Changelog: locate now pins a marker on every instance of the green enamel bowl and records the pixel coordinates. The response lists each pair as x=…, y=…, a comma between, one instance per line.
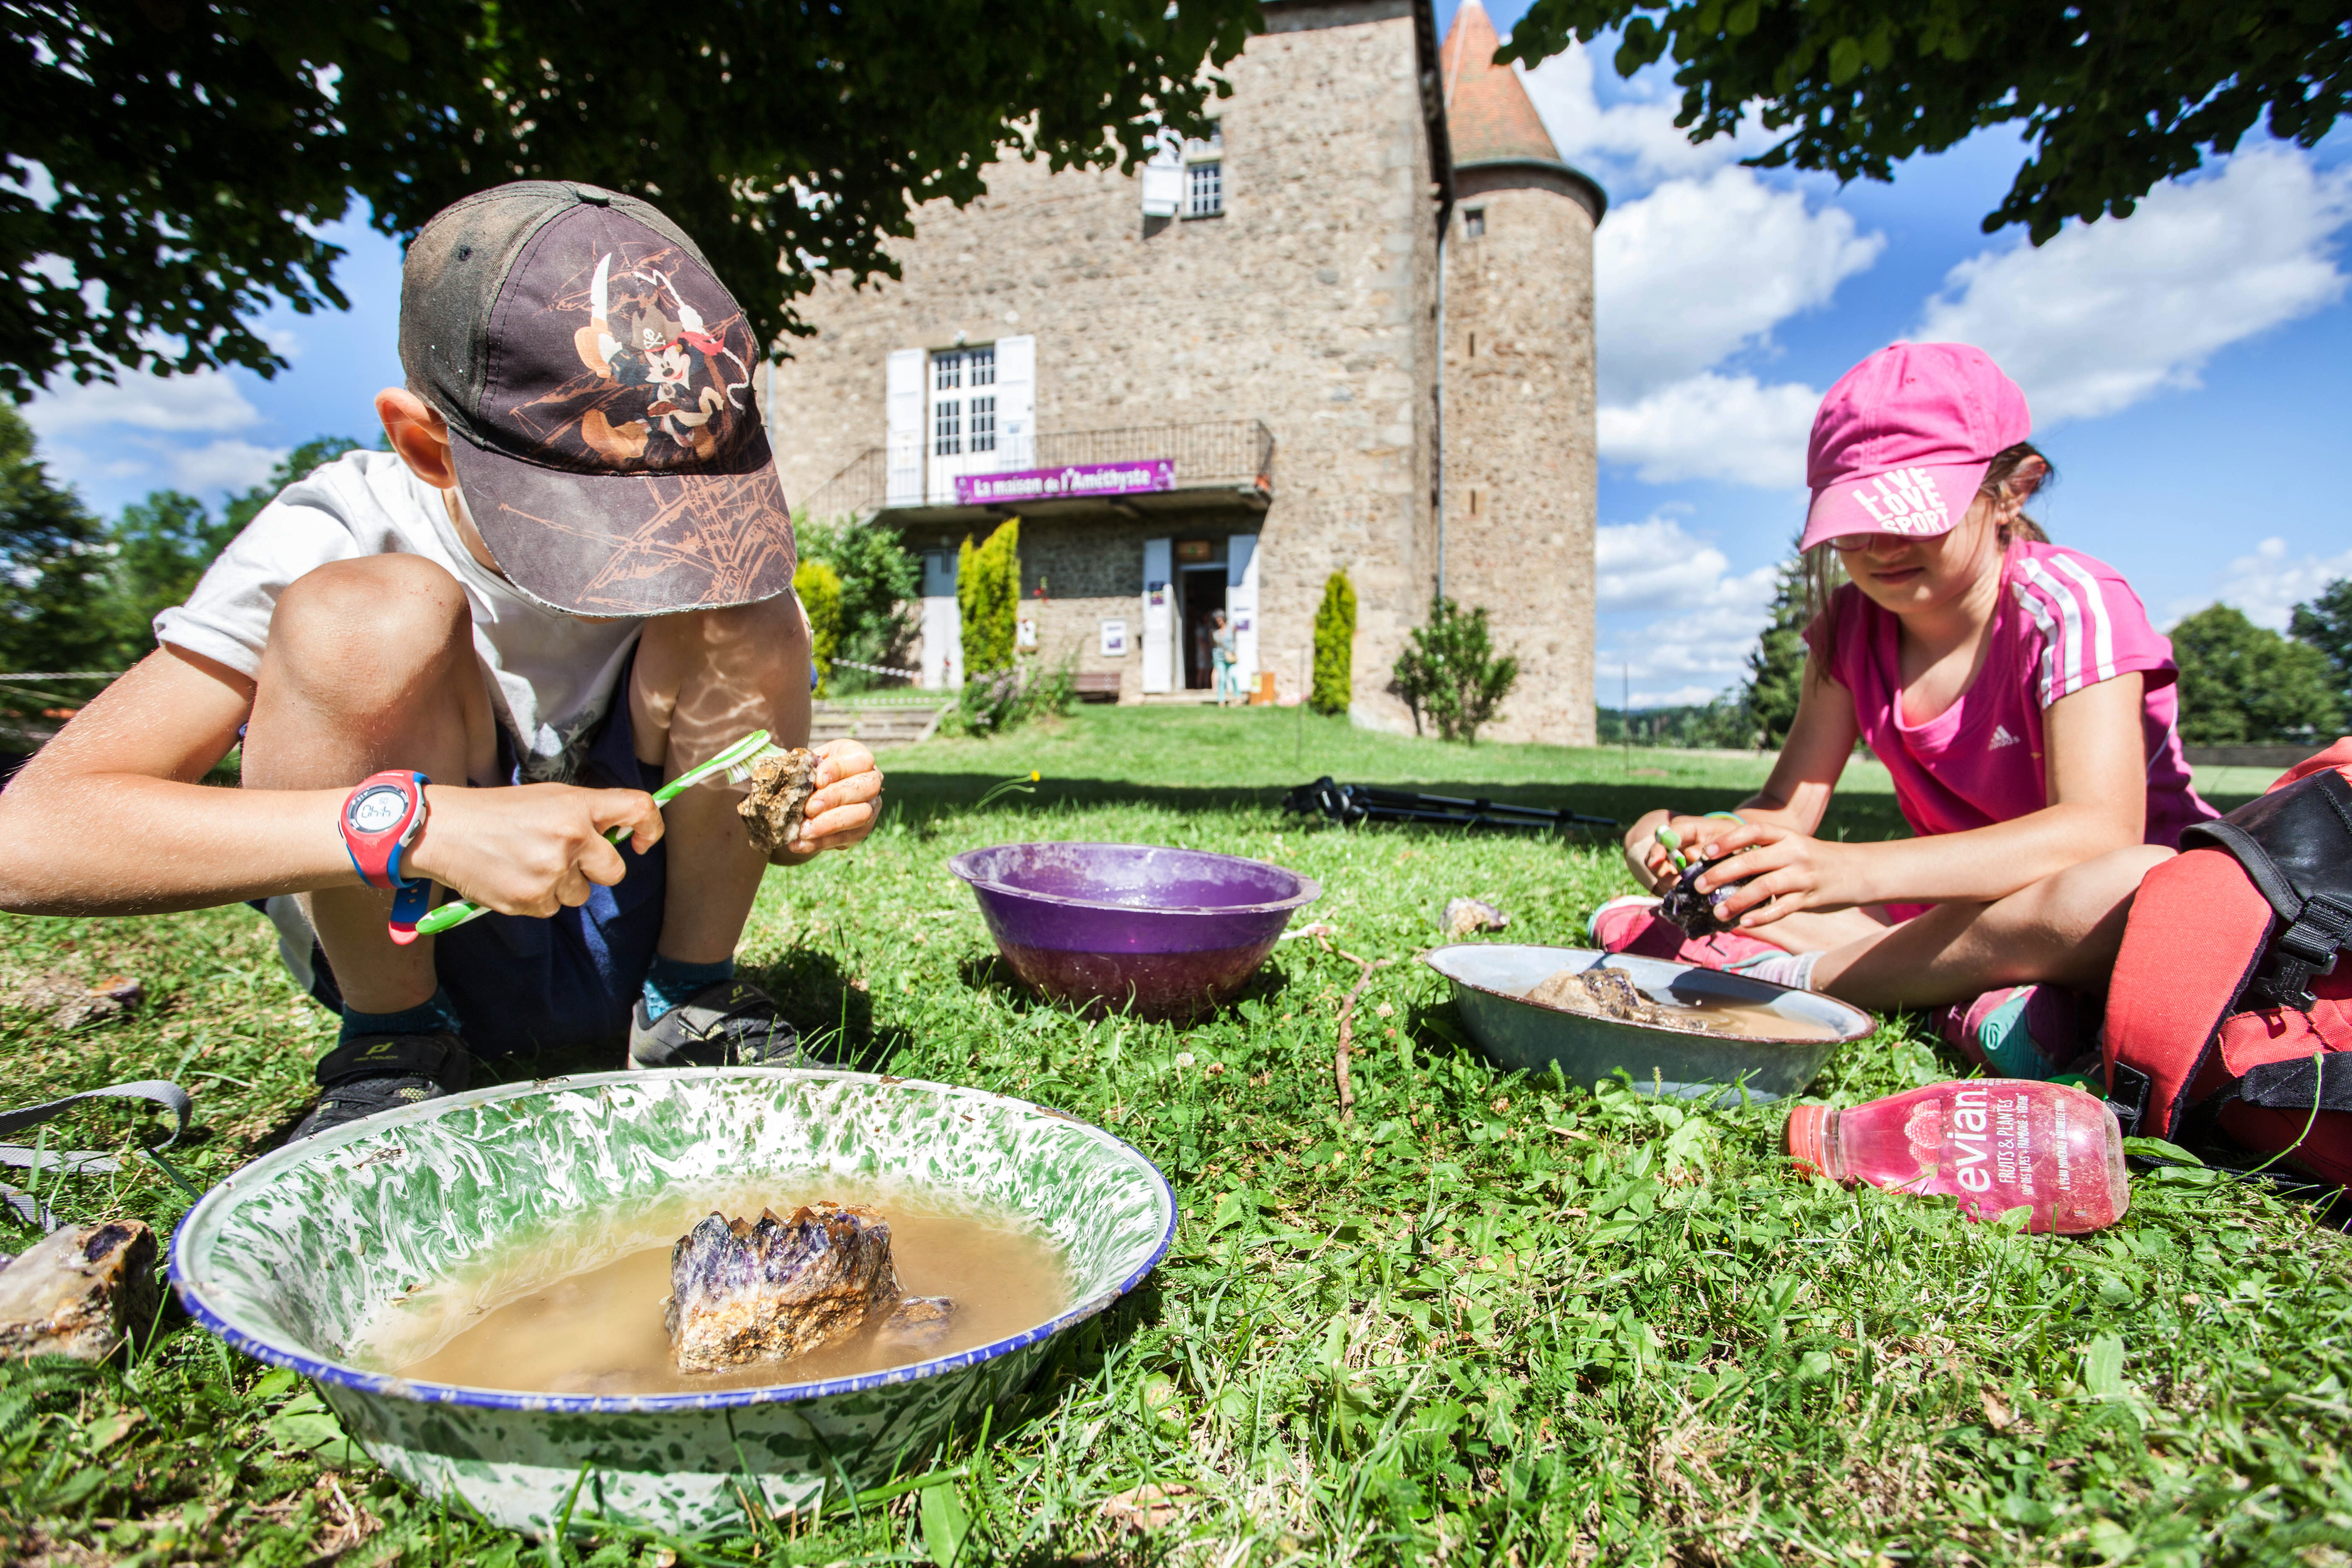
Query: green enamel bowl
x=296, y=1259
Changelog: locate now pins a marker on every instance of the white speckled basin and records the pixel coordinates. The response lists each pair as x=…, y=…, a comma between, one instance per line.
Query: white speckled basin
x=292, y=1259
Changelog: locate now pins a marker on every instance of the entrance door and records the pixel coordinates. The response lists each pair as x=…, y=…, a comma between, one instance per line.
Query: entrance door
x=1205, y=595
x=962, y=424
x=1158, y=620
x=942, y=622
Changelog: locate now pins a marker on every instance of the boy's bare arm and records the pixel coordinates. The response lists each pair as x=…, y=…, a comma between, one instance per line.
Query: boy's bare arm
x=108, y=817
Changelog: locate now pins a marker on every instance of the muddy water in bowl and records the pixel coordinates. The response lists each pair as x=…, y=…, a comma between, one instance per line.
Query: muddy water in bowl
x=1608, y=994
x=960, y=1280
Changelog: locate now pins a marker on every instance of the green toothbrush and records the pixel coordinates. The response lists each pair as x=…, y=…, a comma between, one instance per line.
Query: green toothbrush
x=736, y=762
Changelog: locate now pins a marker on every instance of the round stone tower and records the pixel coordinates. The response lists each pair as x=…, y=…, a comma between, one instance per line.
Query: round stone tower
x=1519, y=467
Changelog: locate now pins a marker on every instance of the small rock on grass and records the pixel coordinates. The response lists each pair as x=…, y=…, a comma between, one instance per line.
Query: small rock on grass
x=1466, y=917
x=1146, y=1506
x=80, y=1292
x=72, y=1002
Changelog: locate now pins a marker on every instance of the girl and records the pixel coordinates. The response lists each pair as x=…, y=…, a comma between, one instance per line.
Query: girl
x=2014, y=690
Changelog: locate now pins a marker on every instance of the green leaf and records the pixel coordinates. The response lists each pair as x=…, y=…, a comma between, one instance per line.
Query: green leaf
x=1742, y=19
x=945, y=1523
x=2158, y=1148
x=1846, y=61
x=2102, y=1366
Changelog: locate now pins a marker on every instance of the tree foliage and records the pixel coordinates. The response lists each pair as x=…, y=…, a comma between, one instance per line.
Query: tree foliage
x=1450, y=670
x=2324, y=622
x=2242, y=684
x=1776, y=665
x=55, y=566
x=880, y=580
x=1335, y=647
x=2116, y=96
x=988, y=594
x=186, y=151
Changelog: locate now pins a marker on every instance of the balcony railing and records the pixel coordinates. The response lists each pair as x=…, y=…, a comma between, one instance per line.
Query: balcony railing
x=1213, y=455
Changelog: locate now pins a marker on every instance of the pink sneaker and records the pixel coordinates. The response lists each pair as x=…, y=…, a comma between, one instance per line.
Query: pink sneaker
x=1632, y=924
x=2020, y=1031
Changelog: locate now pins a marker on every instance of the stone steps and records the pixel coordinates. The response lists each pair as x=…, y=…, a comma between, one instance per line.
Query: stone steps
x=878, y=725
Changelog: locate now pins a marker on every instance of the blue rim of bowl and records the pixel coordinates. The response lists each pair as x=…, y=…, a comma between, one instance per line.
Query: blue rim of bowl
x=319, y=1370
x=1848, y=1037
x=1310, y=889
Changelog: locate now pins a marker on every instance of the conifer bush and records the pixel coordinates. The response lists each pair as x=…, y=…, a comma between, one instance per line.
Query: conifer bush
x=988, y=595
x=1335, y=647
x=818, y=587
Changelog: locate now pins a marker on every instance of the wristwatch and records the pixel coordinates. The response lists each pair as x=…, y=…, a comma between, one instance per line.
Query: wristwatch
x=381, y=819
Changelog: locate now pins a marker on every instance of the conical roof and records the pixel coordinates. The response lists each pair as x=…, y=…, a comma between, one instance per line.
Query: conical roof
x=1487, y=112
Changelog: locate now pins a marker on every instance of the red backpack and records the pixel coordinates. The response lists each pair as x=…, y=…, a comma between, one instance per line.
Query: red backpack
x=2229, y=1009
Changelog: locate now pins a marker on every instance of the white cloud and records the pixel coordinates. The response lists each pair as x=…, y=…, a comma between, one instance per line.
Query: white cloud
x=2109, y=313
x=1699, y=269
x=2268, y=585
x=1712, y=426
x=1632, y=145
x=226, y=464
x=1710, y=620
x=205, y=401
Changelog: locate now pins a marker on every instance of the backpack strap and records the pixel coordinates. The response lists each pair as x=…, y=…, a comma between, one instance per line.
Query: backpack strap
x=2194, y=940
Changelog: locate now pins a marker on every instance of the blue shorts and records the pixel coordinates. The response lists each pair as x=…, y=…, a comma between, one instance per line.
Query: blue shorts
x=522, y=985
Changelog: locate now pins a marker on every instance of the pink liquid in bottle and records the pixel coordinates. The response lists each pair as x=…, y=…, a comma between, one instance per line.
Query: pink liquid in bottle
x=1995, y=1145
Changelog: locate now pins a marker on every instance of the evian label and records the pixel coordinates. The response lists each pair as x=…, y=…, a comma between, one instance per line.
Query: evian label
x=1904, y=501
x=1991, y=1142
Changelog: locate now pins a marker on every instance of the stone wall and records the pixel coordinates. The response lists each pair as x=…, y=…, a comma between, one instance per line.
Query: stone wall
x=1520, y=449
x=1309, y=305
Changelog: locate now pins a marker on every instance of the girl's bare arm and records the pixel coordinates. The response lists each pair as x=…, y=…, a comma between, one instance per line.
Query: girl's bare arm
x=2096, y=765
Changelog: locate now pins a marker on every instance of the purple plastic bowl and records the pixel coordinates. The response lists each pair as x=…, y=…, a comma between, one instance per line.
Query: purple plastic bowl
x=1170, y=933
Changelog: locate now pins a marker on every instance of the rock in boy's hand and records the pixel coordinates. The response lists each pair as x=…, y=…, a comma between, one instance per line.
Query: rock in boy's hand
x=845, y=805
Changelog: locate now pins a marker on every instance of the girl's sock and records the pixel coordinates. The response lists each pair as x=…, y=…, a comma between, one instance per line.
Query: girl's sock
x=436, y=1016
x=669, y=983
x=1794, y=970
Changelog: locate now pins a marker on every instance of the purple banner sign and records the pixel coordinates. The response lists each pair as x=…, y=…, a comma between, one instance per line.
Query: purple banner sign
x=1061, y=484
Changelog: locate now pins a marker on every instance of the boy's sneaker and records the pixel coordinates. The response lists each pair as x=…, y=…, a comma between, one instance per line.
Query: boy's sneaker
x=1632, y=924
x=729, y=1025
x=374, y=1073
x=2022, y=1031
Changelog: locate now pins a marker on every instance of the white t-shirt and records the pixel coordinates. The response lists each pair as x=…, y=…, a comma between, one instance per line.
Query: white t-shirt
x=553, y=676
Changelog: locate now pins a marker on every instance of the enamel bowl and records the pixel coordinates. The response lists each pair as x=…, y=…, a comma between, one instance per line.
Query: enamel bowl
x=1490, y=984
x=299, y=1257
x=1166, y=933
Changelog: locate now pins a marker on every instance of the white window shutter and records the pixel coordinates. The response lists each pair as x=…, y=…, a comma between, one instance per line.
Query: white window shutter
x=1240, y=604
x=1016, y=404
x=903, y=409
x=1158, y=616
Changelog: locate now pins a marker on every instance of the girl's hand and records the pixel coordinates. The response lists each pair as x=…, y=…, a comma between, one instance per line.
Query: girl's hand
x=1773, y=871
x=847, y=804
x=1695, y=832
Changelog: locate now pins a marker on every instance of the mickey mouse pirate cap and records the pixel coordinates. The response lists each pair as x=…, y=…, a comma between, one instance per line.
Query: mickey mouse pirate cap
x=597, y=381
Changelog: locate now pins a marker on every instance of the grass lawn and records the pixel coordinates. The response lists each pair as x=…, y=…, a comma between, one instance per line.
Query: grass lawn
x=1488, y=1318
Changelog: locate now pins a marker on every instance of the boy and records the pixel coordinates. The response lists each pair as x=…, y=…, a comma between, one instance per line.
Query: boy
x=568, y=580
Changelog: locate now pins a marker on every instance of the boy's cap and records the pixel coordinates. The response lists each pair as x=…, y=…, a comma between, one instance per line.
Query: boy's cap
x=1902, y=440
x=597, y=382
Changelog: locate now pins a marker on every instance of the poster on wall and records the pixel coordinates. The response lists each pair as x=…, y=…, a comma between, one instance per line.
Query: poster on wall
x=1113, y=640
x=1024, y=630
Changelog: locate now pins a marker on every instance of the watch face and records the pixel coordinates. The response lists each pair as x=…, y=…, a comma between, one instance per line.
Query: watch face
x=378, y=809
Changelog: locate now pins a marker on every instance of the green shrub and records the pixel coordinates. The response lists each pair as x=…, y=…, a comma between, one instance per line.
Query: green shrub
x=988, y=594
x=1449, y=669
x=2242, y=684
x=880, y=581
x=1335, y=647
x=819, y=587
x=1006, y=699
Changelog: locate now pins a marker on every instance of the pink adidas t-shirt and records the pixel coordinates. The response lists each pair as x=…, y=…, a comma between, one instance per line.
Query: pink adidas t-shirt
x=2065, y=622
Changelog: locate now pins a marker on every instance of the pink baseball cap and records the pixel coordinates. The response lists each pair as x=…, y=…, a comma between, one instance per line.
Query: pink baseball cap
x=1902, y=440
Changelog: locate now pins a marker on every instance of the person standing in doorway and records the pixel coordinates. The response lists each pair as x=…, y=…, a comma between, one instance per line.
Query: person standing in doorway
x=1220, y=655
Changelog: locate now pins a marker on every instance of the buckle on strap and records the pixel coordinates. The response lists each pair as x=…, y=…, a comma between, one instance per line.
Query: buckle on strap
x=2307, y=948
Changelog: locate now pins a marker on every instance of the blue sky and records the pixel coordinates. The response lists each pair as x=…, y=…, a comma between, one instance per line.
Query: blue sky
x=2187, y=367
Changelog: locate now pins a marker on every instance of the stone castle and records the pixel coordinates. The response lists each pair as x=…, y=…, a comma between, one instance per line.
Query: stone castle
x=1351, y=330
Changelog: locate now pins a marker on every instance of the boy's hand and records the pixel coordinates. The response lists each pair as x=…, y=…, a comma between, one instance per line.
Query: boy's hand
x=534, y=849
x=847, y=804
x=1773, y=871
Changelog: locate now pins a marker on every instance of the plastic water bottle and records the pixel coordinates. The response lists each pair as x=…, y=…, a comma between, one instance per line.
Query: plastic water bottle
x=1995, y=1145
